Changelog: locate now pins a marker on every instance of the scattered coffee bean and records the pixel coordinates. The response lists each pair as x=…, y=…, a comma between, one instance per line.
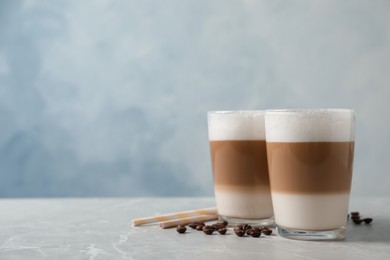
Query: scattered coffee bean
x=225, y=223
x=195, y=224
x=222, y=231
x=367, y=220
x=208, y=230
x=242, y=230
x=255, y=232
x=239, y=232
x=355, y=213
x=246, y=227
x=218, y=225
x=266, y=231
x=181, y=229
x=355, y=217
x=199, y=227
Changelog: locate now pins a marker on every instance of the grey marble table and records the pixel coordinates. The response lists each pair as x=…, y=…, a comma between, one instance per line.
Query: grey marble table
x=101, y=229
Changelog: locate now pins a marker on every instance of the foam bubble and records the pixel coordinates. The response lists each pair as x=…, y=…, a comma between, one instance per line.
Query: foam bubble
x=236, y=125
x=310, y=125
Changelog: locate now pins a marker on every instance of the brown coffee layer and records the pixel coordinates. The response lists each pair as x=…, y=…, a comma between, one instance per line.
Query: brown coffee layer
x=239, y=164
x=310, y=167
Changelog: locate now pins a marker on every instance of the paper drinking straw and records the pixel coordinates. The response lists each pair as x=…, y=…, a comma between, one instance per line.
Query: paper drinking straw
x=176, y=215
x=185, y=221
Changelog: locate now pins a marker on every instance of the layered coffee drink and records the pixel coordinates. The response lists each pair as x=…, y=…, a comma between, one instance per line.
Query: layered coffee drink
x=310, y=159
x=239, y=166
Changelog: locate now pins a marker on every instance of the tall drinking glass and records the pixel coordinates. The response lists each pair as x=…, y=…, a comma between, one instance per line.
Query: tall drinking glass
x=310, y=158
x=239, y=165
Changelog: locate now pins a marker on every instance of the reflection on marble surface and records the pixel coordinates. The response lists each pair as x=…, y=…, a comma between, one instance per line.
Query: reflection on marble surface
x=101, y=229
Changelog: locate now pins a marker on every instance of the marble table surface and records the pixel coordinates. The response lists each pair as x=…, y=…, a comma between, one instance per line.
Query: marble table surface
x=101, y=229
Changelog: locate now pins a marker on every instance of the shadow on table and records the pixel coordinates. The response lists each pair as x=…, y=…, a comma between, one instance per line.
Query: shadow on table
x=377, y=231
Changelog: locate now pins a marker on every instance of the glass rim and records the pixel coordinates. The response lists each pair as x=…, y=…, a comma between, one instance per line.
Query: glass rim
x=305, y=110
x=230, y=112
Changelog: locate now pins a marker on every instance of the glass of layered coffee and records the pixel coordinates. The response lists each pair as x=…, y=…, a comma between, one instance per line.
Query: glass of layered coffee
x=310, y=157
x=239, y=165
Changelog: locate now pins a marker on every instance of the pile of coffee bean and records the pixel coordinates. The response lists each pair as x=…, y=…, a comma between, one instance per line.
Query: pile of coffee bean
x=209, y=229
x=247, y=230
x=221, y=228
x=356, y=218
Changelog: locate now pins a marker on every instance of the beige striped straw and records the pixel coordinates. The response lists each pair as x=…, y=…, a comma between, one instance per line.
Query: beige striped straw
x=175, y=216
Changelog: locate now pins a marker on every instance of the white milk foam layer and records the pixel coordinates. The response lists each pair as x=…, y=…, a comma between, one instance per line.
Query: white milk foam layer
x=310, y=125
x=244, y=205
x=236, y=125
x=310, y=212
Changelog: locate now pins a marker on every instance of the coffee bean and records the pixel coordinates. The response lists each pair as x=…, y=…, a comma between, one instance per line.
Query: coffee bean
x=266, y=231
x=217, y=226
x=367, y=220
x=199, y=227
x=181, y=229
x=243, y=229
x=355, y=213
x=255, y=233
x=224, y=223
x=208, y=230
x=222, y=231
x=246, y=227
x=239, y=232
x=195, y=224
x=240, y=227
x=355, y=217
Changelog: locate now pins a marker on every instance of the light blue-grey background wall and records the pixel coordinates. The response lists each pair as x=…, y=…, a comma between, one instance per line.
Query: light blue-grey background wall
x=109, y=98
